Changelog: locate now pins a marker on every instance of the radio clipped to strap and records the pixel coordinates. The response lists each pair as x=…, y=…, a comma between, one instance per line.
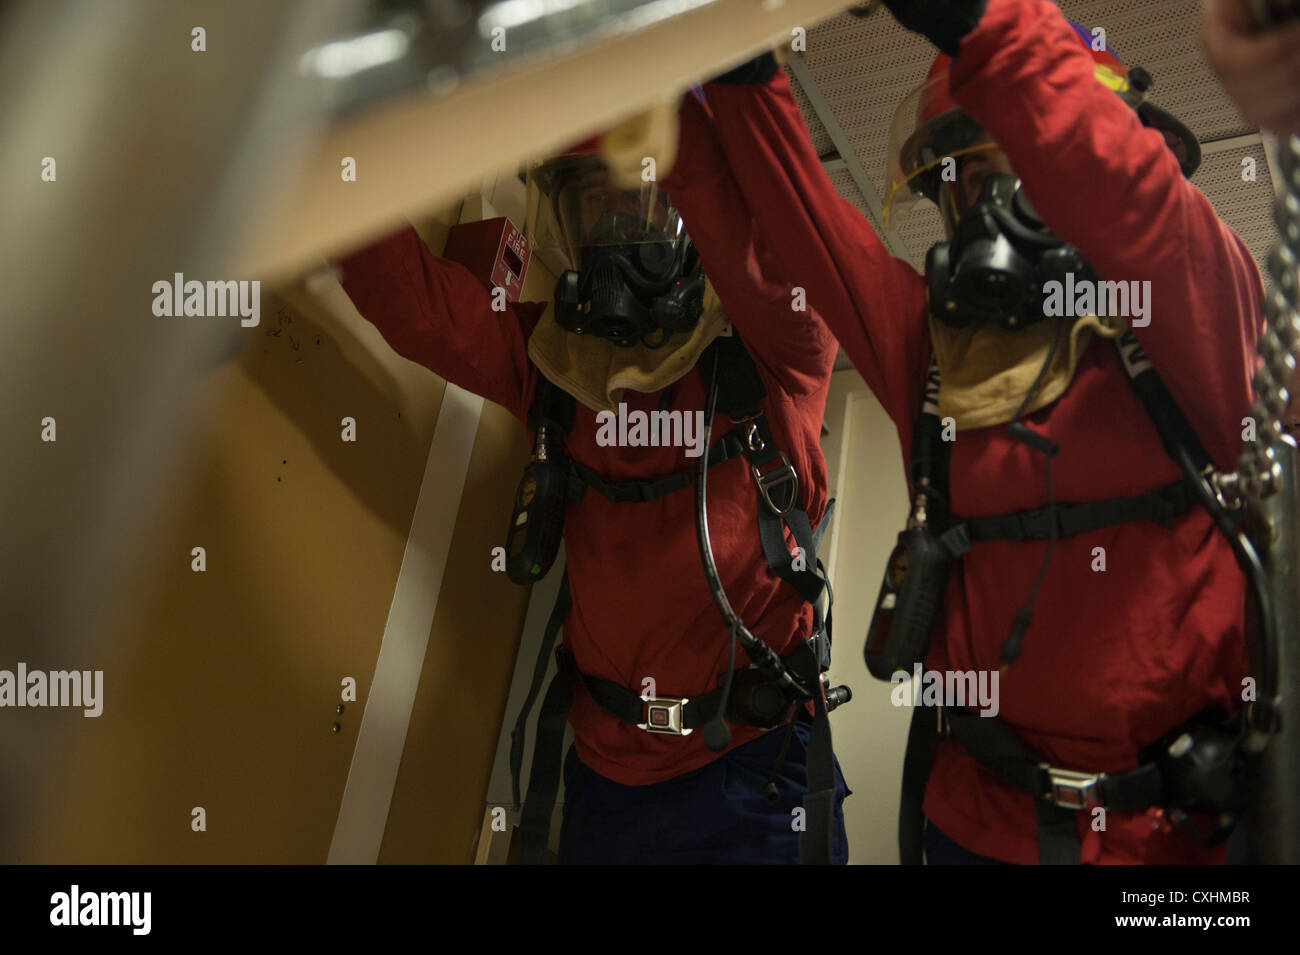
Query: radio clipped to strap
x=537, y=520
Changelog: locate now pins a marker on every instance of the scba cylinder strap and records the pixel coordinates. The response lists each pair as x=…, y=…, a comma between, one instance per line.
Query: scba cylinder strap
x=740, y=395
x=1200, y=767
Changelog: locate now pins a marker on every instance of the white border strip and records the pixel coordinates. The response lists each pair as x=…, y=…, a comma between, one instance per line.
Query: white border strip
x=363, y=813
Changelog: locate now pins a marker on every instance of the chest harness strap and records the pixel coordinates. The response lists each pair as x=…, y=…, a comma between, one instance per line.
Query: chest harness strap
x=739, y=396
x=1061, y=793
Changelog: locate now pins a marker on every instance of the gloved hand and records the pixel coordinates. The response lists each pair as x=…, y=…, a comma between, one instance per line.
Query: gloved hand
x=1260, y=70
x=942, y=22
x=758, y=70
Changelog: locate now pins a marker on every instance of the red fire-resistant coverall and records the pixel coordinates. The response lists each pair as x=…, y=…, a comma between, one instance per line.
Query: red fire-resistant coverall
x=641, y=607
x=1113, y=659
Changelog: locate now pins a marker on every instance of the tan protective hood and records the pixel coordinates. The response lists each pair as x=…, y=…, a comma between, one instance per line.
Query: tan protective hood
x=597, y=372
x=985, y=370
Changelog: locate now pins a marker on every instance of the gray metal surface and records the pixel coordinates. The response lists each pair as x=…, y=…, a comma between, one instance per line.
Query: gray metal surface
x=1276, y=826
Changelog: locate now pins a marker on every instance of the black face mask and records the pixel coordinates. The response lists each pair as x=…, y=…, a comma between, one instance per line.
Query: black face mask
x=633, y=292
x=998, y=261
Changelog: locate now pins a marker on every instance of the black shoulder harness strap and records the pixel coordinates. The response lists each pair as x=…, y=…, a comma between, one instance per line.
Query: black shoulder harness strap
x=1059, y=794
x=1161, y=505
x=740, y=396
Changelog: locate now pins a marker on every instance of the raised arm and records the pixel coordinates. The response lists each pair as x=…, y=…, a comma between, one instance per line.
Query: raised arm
x=433, y=311
x=791, y=344
x=872, y=302
x=1111, y=188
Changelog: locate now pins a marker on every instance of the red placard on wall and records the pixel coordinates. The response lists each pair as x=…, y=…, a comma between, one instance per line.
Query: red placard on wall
x=494, y=250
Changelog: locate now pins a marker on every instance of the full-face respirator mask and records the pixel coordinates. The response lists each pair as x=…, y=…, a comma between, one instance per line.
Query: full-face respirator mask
x=633, y=276
x=998, y=255
x=997, y=264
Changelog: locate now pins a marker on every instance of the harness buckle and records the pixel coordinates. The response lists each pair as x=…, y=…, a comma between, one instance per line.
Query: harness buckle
x=663, y=714
x=784, y=474
x=1072, y=790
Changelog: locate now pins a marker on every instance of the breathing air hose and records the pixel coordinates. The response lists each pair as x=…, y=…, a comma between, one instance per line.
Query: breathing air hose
x=716, y=734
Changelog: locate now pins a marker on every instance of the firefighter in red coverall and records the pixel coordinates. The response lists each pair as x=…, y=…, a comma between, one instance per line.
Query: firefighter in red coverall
x=635, y=790
x=1117, y=653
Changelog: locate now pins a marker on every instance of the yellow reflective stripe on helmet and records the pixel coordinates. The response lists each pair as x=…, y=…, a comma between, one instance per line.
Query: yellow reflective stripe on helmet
x=1110, y=79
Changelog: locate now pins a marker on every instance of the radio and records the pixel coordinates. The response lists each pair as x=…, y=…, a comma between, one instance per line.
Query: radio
x=911, y=595
x=537, y=521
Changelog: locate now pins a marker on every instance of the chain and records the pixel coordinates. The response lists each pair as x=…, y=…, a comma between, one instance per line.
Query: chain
x=1259, y=472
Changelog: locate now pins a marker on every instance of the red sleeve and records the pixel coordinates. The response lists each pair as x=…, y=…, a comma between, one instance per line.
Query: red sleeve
x=873, y=303
x=433, y=311
x=793, y=347
x=1111, y=188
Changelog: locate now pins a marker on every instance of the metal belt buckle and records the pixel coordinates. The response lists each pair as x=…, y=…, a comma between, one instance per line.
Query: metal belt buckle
x=663, y=714
x=775, y=478
x=1073, y=790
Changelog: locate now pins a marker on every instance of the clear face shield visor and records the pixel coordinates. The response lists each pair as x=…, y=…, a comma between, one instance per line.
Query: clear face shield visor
x=939, y=152
x=576, y=207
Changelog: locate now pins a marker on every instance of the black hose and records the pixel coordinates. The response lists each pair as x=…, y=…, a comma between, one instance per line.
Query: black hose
x=716, y=734
x=1264, y=649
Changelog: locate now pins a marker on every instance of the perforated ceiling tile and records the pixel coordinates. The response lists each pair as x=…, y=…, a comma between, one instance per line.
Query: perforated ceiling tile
x=1246, y=206
x=843, y=183
x=1163, y=36
x=864, y=68
x=921, y=228
x=821, y=140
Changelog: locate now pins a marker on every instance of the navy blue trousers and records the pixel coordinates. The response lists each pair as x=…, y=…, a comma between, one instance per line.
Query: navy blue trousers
x=716, y=814
x=942, y=850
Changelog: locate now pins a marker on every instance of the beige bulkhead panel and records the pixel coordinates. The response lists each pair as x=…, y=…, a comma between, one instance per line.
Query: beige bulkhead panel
x=228, y=700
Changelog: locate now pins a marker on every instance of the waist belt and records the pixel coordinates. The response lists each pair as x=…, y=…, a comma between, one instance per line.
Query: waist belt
x=548, y=751
x=674, y=716
x=1161, y=505
x=1058, y=793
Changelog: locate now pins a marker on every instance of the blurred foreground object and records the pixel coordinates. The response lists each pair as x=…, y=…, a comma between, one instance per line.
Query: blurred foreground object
x=1260, y=68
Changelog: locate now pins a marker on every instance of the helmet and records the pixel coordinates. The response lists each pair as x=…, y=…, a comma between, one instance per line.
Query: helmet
x=599, y=193
x=577, y=203
x=632, y=275
x=929, y=127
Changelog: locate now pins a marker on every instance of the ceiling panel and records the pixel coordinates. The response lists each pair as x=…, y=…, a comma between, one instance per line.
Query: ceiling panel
x=864, y=68
x=1164, y=37
x=1246, y=206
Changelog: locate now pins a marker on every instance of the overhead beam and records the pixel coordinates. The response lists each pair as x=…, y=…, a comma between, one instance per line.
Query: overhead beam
x=426, y=150
x=1247, y=141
